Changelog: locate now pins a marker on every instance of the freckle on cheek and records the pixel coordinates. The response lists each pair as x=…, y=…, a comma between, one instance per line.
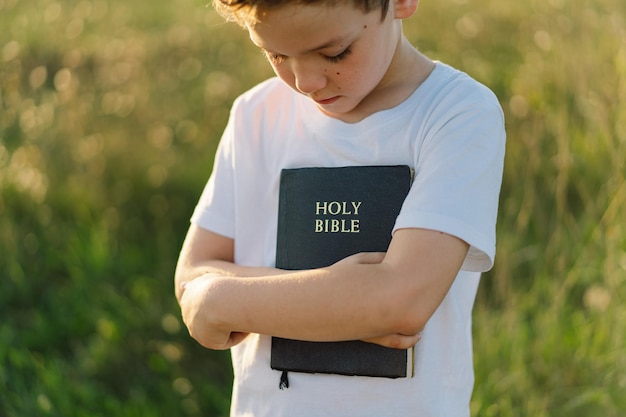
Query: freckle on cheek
x=338, y=73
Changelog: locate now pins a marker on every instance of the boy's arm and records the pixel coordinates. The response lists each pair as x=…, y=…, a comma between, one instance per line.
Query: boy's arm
x=205, y=252
x=357, y=298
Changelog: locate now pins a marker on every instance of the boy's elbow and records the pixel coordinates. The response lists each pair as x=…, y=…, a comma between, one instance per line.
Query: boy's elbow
x=178, y=283
x=182, y=274
x=411, y=322
x=411, y=311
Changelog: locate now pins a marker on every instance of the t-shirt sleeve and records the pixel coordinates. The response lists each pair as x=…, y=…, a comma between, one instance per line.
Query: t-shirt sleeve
x=215, y=210
x=458, y=173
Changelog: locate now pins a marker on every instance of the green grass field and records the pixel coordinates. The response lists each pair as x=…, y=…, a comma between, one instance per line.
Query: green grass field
x=110, y=112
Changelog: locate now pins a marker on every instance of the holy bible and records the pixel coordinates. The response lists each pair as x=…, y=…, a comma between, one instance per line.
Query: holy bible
x=325, y=215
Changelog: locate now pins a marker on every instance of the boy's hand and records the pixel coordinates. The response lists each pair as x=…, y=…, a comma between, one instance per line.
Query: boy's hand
x=196, y=316
x=364, y=258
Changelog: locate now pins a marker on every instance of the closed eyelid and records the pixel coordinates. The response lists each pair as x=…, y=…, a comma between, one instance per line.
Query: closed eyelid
x=333, y=44
x=333, y=51
x=340, y=56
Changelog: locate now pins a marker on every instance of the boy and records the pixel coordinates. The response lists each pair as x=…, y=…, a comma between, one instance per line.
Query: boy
x=350, y=90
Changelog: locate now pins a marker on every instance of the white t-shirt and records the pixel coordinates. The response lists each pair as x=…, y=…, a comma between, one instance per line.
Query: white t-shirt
x=451, y=131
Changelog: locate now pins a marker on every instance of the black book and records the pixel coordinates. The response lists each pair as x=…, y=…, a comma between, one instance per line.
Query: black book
x=325, y=215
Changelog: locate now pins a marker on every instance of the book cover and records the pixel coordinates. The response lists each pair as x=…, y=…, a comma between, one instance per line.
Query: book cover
x=325, y=215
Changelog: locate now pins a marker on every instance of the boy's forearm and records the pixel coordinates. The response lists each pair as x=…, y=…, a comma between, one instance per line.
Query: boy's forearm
x=346, y=301
x=338, y=303
x=191, y=271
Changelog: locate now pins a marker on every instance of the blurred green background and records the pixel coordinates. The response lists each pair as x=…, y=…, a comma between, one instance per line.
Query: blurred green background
x=110, y=112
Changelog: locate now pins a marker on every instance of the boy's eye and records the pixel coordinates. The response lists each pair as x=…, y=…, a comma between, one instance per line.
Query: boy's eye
x=278, y=58
x=336, y=58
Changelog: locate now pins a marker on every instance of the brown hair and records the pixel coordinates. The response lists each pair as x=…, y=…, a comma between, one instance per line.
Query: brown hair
x=247, y=11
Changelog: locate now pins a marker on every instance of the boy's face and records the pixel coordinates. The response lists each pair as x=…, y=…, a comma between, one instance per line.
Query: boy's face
x=338, y=56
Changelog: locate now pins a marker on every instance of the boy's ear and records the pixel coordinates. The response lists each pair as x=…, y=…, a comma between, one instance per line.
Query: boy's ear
x=403, y=9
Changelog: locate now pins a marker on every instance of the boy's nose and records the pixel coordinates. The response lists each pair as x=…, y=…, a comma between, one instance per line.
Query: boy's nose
x=308, y=79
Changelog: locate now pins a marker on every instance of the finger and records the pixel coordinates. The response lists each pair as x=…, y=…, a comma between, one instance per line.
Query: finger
x=369, y=257
x=373, y=257
x=396, y=341
x=399, y=341
x=236, y=338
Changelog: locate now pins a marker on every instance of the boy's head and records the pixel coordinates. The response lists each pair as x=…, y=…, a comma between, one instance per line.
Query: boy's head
x=247, y=11
x=348, y=56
